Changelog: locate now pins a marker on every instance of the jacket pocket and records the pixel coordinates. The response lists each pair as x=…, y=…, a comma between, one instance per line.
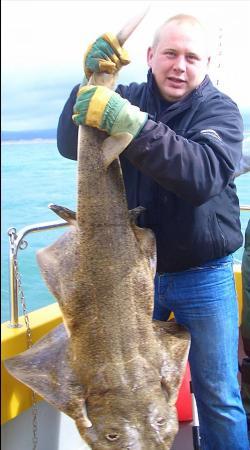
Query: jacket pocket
x=217, y=236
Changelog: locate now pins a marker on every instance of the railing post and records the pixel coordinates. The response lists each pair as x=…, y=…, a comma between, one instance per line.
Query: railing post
x=13, y=293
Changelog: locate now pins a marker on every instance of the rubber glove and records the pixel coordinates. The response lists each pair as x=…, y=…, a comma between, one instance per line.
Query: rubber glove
x=102, y=108
x=105, y=55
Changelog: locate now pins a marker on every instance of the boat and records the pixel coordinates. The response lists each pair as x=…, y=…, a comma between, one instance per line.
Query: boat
x=29, y=422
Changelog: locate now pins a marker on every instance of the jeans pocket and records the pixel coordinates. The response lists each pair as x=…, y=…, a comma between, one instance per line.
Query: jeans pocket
x=160, y=287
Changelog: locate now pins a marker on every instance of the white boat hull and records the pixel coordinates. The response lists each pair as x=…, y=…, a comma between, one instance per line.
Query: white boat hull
x=56, y=431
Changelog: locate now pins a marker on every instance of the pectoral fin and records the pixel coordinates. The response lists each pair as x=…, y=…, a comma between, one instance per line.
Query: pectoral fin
x=147, y=243
x=175, y=341
x=46, y=369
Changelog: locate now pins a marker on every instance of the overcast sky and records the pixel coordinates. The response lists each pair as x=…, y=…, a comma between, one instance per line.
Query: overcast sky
x=43, y=44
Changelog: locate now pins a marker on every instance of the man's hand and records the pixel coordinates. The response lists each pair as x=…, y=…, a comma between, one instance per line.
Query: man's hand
x=105, y=55
x=102, y=108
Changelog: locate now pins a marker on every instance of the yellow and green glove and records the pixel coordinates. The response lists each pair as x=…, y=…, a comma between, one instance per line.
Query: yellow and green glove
x=102, y=108
x=105, y=55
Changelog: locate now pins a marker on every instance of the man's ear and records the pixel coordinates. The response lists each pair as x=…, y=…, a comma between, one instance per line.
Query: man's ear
x=150, y=54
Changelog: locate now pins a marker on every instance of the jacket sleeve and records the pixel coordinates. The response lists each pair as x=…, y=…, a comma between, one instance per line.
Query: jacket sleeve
x=198, y=166
x=244, y=164
x=67, y=131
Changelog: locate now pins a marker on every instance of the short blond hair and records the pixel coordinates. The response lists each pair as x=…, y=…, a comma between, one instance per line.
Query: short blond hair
x=179, y=19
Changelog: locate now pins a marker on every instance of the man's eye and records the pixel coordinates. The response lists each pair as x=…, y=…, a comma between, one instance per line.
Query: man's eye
x=170, y=54
x=192, y=58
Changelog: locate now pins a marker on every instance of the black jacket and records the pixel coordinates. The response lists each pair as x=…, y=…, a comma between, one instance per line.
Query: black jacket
x=181, y=169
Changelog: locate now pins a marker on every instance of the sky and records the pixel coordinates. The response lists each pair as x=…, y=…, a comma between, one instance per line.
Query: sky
x=43, y=43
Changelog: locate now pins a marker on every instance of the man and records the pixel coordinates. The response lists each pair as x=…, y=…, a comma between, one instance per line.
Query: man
x=184, y=143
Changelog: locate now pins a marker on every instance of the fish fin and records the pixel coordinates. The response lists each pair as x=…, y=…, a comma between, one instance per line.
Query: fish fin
x=64, y=213
x=46, y=369
x=113, y=146
x=175, y=341
x=49, y=260
x=147, y=243
x=59, y=267
x=134, y=213
x=145, y=237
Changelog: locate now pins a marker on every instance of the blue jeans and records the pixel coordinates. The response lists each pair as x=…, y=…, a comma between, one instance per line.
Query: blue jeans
x=203, y=299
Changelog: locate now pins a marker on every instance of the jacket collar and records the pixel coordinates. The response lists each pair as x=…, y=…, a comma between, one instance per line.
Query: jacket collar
x=157, y=104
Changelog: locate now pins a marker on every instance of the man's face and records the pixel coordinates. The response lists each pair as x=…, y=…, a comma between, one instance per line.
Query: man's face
x=179, y=60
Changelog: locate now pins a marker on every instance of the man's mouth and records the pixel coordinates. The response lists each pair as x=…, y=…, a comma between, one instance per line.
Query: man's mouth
x=176, y=81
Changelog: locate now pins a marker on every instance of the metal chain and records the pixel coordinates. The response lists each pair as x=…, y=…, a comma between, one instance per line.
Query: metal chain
x=23, y=303
x=23, y=245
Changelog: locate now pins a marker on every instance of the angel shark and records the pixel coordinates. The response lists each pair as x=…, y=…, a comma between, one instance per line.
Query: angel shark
x=109, y=366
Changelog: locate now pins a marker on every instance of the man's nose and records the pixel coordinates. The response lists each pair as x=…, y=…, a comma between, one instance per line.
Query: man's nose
x=180, y=64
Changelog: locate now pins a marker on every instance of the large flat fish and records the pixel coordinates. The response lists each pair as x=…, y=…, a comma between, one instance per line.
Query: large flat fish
x=109, y=366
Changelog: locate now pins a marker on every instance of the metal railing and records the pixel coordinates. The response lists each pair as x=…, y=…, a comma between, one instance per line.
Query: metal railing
x=17, y=242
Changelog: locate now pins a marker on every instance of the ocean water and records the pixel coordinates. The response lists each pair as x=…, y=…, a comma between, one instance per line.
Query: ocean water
x=34, y=174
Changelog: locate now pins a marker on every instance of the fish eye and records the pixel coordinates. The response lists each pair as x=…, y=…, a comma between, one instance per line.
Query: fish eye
x=112, y=437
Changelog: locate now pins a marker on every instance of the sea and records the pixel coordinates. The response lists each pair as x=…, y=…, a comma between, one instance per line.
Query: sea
x=34, y=174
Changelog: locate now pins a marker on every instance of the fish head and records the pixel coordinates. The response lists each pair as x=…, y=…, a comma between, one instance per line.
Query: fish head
x=139, y=420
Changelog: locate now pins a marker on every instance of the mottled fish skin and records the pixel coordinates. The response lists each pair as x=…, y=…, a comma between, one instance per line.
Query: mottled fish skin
x=109, y=366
